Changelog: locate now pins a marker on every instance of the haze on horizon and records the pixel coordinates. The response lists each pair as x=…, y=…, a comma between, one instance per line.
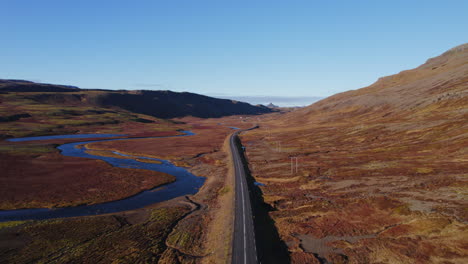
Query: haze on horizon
x=284, y=51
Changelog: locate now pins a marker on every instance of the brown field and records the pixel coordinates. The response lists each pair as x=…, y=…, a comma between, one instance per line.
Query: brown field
x=52, y=180
x=205, y=154
x=187, y=230
x=209, y=138
x=130, y=237
x=34, y=174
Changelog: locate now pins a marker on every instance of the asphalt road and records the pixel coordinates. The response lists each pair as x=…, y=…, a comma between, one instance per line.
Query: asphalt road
x=243, y=245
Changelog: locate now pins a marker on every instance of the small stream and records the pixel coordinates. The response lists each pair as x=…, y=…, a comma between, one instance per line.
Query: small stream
x=185, y=183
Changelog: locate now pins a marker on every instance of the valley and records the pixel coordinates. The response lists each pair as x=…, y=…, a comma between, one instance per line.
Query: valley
x=36, y=175
x=234, y=132
x=374, y=175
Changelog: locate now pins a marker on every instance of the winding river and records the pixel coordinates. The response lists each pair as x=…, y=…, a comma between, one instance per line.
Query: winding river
x=185, y=183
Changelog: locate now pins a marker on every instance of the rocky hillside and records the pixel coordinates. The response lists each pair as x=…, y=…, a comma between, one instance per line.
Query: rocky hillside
x=379, y=174
x=167, y=104
x=161, y=104
x=27, y=86
x=440, y=84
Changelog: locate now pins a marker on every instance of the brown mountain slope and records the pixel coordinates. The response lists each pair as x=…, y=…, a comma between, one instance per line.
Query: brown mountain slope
x=34, y=109
x=161, y=104
x=382, y=172
x=439, y=84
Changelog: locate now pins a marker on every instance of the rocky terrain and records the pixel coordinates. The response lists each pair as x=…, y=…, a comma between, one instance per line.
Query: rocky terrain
x=375, y=175
x=160, y=104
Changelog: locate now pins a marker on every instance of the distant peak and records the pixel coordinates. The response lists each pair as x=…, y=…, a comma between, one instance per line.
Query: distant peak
x=459, y=48
x=456, y=50
x=271, y=105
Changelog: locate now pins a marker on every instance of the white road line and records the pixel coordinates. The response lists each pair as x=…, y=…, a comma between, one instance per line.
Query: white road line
x=243, y=215
x=238, y=166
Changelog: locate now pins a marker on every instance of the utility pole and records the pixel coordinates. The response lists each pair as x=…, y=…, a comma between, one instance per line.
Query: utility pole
x=278, y=146
x=292, y=167
x=294, y=160
x=296, y=164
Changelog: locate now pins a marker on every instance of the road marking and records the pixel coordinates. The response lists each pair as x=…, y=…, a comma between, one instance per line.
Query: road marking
x=243, y=221
x=238, y=165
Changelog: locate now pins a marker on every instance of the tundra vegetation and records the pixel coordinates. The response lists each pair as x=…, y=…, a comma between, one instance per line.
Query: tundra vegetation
x=375, y=175
x=381, y=171
x=35, y=175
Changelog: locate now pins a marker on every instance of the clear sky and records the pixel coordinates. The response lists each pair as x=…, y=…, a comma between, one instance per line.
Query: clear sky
x=224, y=48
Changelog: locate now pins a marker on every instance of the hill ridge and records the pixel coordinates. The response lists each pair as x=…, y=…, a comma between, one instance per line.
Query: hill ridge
x=440, y=78
x=157, y=103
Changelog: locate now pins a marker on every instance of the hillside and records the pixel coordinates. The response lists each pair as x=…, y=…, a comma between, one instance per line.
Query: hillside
x=162, y=104
x=438, y=84
x=27, y=86
x=29, y=108
x=167, y=104
x=35, y=174
x=381, y=172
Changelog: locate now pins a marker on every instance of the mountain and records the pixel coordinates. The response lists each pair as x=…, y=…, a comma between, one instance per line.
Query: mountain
x=168, y=104
x=161, y=104
x=440, y=83
x=374, y=175
x=271, y=105
x=27, y=86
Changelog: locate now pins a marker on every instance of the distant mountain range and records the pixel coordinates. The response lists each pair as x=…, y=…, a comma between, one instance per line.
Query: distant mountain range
x=28, y=86
x=278, y=100
x=271, y=105
x=161, y=104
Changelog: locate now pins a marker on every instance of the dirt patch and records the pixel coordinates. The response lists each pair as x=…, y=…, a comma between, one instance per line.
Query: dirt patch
x=324, y=246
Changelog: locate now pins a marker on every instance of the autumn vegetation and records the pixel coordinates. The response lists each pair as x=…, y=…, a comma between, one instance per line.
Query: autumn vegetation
x=382, y=171
x=35, y=175
x=381, y=174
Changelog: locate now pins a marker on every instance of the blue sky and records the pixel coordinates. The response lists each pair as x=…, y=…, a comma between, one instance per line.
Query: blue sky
x=298, y=49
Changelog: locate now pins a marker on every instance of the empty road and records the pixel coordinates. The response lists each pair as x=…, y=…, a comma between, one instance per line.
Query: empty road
x=243, y=245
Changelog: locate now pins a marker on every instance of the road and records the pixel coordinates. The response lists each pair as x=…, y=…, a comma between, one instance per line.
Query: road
x=243, y=245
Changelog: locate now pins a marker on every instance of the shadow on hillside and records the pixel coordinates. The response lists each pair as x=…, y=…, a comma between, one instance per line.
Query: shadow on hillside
x=270, y=247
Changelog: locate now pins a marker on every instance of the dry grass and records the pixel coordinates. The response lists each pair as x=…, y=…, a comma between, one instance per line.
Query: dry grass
x=223, y=221
x=136, y=237
x=387, y=161
x=196, y=236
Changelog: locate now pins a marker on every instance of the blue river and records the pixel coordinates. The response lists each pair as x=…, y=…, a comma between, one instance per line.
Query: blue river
x=185, y=184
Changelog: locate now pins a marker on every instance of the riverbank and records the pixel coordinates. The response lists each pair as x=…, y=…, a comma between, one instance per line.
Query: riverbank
x=193, y=234
x=120, y=168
